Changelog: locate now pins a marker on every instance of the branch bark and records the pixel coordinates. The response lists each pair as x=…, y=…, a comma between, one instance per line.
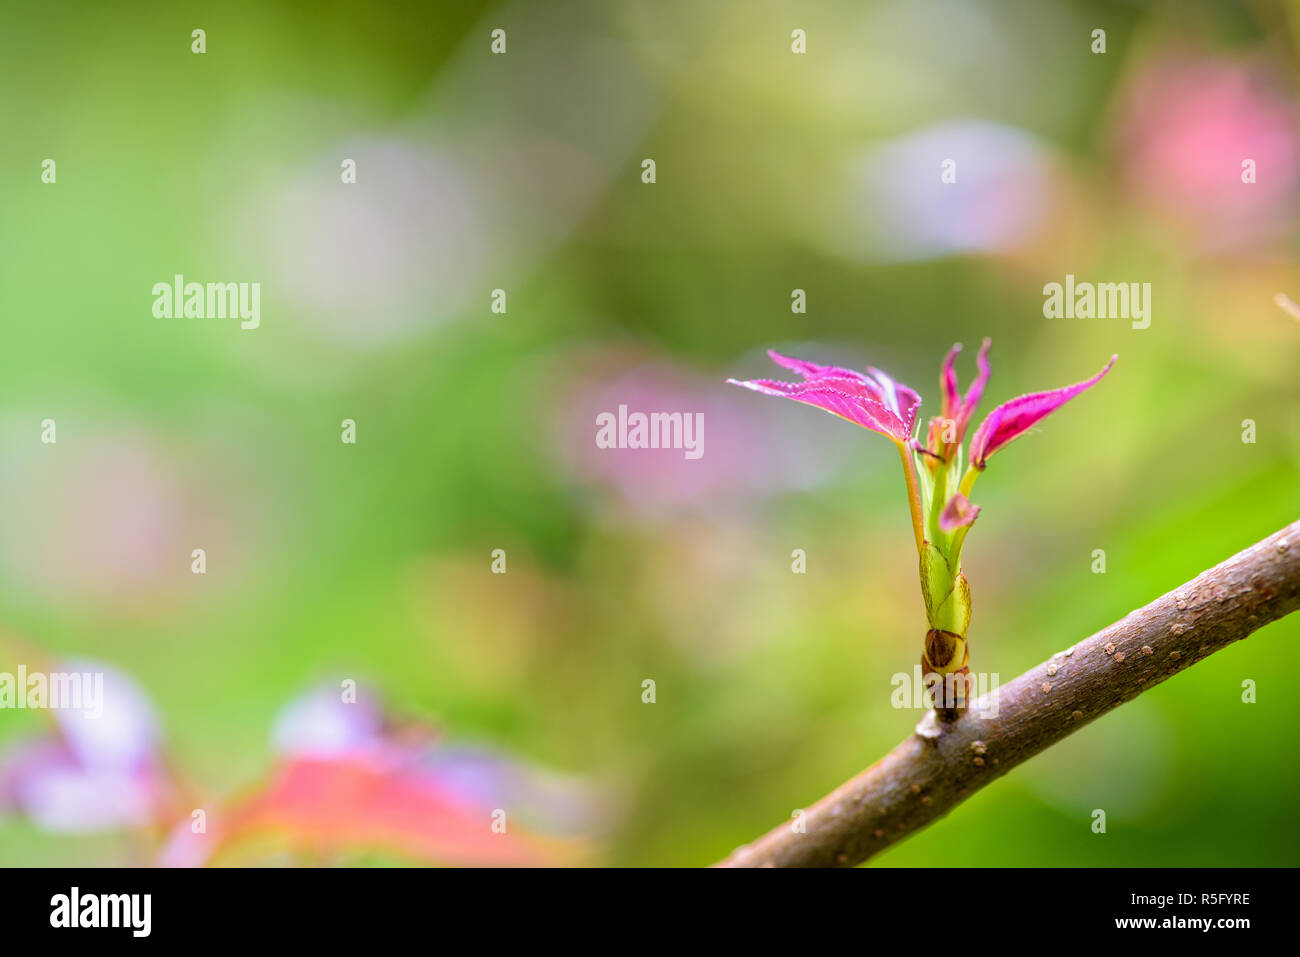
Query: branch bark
x=942, y=764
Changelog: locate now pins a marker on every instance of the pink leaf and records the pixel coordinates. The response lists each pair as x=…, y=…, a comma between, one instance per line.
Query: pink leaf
x=1014, y=418
x=876, y=401
x=955, y=408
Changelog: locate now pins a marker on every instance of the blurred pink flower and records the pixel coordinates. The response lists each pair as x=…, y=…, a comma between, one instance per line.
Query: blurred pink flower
x=1000, y=190
x=347, y=779
x=111, y=521
x=545, y=801
x=1186, y=125
x=320, y=724
x=652, y=483
x=91, y=773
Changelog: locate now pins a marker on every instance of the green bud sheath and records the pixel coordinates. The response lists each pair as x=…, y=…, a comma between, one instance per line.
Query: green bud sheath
x=946, y=593
x=947, y=608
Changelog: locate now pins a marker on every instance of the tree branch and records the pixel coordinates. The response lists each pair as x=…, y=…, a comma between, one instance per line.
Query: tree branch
x=942, y=764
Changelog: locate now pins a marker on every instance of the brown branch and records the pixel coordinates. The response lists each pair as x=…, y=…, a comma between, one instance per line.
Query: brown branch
x=942, y=764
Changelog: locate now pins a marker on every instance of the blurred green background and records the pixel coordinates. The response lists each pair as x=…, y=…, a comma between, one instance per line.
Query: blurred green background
x=775, y=171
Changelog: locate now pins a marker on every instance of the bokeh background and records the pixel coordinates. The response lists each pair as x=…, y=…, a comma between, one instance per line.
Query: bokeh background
x=475, y=430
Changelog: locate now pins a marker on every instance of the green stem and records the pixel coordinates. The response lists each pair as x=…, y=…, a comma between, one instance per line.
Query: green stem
x=938, y=499
x=913, y=496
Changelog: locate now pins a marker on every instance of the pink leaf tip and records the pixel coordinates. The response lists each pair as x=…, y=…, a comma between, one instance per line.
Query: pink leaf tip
x=1012, y=419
